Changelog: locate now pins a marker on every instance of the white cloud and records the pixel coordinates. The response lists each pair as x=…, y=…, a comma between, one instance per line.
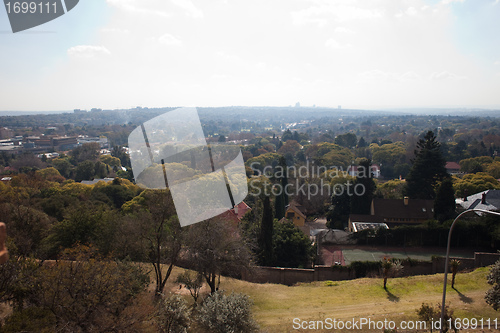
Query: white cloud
x=447, y=2
x=169, y=40
x=332, y=43
x=374, y=76
x=115, y=30
x=498, y=61
x=411, y=11
x=410, y=76
x=321, y=14
x=444, y=75
x=189, y=7
x=88, y=51
x=133, y=6
x=343, y=30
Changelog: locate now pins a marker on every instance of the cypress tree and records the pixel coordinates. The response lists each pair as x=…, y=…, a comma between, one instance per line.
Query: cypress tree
x=266, y=234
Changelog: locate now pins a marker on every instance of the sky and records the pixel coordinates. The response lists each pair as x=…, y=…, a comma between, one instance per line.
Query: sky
x=165, y=53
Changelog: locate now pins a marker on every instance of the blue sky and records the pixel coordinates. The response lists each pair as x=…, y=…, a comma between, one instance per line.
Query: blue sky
x=354, y=53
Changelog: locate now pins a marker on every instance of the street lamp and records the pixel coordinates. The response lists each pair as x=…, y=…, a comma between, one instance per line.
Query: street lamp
x=448, y=256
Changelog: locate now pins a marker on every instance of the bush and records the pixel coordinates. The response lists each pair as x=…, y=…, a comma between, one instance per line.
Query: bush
x=492, y=296
x=363, y=268
x=222, y=313
x=173, y=315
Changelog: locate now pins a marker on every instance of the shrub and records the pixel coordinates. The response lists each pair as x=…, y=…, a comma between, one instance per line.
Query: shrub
x=492, y=296
x=222, y=313
x=173, y=315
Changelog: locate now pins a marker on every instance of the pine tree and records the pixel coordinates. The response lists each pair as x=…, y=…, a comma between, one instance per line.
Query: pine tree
x=444, y=205
x=428, y=168
x=266, y=234
x=361, y=204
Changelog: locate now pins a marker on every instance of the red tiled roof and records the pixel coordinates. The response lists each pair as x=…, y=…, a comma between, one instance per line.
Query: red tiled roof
x=452, y=165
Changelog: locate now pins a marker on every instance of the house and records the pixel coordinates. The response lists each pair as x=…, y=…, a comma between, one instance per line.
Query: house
x=236, y=214
x=487, y=200
x=241, y=209
x=394, y=212
x=355, y=170
x=453, y=168
x=362, y=222
x=294, y=213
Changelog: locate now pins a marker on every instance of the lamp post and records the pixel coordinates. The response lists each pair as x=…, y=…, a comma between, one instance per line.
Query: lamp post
x=448, y=257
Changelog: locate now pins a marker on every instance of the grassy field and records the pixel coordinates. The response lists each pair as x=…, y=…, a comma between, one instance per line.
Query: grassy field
x=275, y=306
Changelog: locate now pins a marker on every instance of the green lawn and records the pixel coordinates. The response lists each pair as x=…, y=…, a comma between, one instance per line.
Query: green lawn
x=276, y=305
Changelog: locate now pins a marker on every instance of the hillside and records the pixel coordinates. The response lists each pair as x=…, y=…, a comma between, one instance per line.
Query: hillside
x=275, y=306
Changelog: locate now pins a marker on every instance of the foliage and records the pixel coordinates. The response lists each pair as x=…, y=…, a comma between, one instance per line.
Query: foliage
x=160, y=232
x=193, y=281
x=427, y=169
x=363, y=268
x=221, y=313
x=360, y=204
x=454, y=264
x=390, y=268
x=214, y=247
x=173, y=315
x=493, y=295
x=474, y=183
x=291, y=247
x=83, y=292
x=338, y=216
x=444, y=204
x=392, y=189
x=428, y=314
x=266, y=234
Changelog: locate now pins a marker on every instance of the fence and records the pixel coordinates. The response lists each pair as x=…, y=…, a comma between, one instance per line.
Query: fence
x=291, y=276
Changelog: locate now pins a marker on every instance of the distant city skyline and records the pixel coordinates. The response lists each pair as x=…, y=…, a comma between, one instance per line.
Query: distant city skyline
x=114, y=54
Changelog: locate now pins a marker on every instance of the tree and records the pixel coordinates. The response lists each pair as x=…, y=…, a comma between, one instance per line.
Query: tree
x=193, y=281
x=339, y=215
x=390, y=268
x=444, y=204
x=454, y=264
x=361, y=204
x=4, y=254
x=221, y=313
x=347, y=140
x=427, y=313
x=427, y=170
x=85, y=292
x=291, y=247
x=266, y=234
x=162, y=232
x=85, y=171
x=492, y=296
x=281, y=200
x=215, y=248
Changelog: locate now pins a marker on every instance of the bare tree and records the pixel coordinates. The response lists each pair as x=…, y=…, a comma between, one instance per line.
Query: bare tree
x=215, y=248
x=160, y=233
x=4, y=254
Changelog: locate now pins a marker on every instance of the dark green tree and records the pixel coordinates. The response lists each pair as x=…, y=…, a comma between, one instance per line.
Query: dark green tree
x=292, y=248
x=339, y=215
x=266, y=234
x=282, y=198
x=444, y=205
x=361, y=204
x=427, y=170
